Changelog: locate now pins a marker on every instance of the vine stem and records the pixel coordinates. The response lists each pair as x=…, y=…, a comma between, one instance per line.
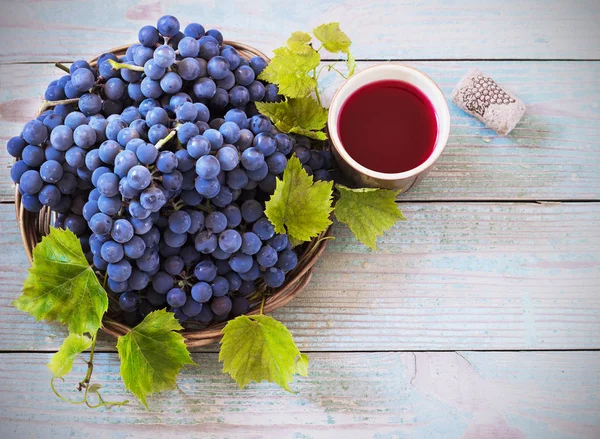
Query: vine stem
x=317, y=87
x=118, y=65
x=162, y=142
x=262, y=305
x=47, y=104
x=62, y=67
x=90, y=364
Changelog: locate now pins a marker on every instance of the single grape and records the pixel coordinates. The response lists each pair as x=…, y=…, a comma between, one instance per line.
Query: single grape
x=260, y=124
x=219, y=286
x=90, y=104
x=266, y=256
x=208, y=167
x=162, y=282
x=138, y=281
x=61, y=137
x=148, y=36
x=287, y=260
x=265, y=143
x=252, y=159
x=135, y=247
x=179, y=221
x=244, y=75
x=164, y=56
x=263, y=228
x=230, y=241
x=139, y=177
x=124, y=161
x=208, y=187
x=252, y=210
x=316, y=160
x=112, y=252
x=215, y=222
x=191, y=308
x=227, y=82
x=168, y=26
x=51, y=171
x=122, y=231
x=152, y=199
x=205, y=316
x=129, y=301
x=194, y=30
x=188, y=47
x=204, y=88
x=50, y=196
x=198, y=146
x=173, y=265
x=67, y=184
x=170, y=83
x=232, y=57
x=241, y=262
x=272, y=93
x=109, y=205
x=257, y=64
x=149, y=260
x=108, y=184
x=205, y=271
x=82, y=79
x=221, y=305
x=201, y=292
x=166, y=162
x=274, y=277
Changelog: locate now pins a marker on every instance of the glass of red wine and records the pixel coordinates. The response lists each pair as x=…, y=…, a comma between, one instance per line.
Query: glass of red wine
x=388, y=125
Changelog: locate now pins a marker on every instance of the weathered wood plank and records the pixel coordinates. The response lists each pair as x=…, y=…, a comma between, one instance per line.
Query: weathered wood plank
x=50, y=31
x=454, y=276
x=552, y=155
x=351, y=395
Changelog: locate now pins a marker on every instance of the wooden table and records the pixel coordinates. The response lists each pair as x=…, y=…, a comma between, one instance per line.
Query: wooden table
x=479, y=317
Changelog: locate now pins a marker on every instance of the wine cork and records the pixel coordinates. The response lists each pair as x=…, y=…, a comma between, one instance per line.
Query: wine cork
x=480, y=96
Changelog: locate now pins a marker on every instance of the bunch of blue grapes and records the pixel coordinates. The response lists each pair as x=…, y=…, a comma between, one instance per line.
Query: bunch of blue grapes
x=163, y=173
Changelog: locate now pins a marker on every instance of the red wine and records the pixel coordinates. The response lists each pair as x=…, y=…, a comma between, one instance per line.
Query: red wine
x=388, y=126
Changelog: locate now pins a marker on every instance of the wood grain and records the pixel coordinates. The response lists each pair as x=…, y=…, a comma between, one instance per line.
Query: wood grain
x=553, y=154
x=68, y=30
x=471, y=395
x=470, y=276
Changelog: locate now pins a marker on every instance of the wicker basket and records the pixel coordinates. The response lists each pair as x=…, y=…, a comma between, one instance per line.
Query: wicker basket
x=36, y=225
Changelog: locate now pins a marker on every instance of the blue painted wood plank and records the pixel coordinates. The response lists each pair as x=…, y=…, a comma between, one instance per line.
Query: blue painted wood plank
x=379, y=30
x=421, y=395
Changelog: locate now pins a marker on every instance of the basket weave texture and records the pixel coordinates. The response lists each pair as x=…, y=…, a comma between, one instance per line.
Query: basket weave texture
x=34, y=226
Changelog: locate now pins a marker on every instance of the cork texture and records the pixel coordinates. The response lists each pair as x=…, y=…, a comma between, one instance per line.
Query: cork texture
x=480, y=96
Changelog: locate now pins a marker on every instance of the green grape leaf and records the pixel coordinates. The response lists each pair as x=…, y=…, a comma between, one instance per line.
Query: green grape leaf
x=299, y=42
x=298, y=206
x=368, y=212
x=257, y=348
x=300, y=116
x=302, y=365
x=152, y=354
x=290, y=71
x=61, y=363
x=333, y=39
x=62, y=286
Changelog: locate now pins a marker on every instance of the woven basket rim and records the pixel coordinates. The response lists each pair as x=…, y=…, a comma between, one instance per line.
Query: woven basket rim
x=33, y=226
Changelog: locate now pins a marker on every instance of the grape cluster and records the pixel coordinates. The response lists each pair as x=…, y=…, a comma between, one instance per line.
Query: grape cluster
x=163, y=173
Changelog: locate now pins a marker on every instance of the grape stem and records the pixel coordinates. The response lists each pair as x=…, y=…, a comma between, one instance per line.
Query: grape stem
x=262, y=305
x=48, y=104
x=118, y=65
x=162, y=142
x=62, y=67
x=315, y=76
